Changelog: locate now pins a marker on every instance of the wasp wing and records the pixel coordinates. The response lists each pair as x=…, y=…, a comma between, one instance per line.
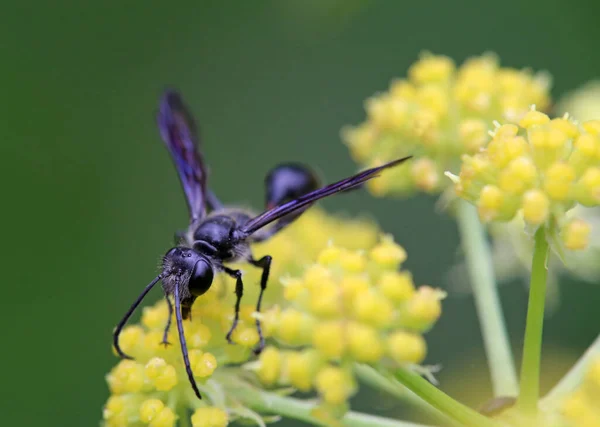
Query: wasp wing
x=178, y=131
x=352, y=182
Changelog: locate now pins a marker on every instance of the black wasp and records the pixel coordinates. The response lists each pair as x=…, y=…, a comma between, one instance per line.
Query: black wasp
x=224, y=234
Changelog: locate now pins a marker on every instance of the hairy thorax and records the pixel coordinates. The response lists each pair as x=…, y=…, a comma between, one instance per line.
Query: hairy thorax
x=218, y=235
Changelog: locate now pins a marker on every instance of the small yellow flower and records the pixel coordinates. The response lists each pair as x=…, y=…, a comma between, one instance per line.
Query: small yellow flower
x=335, y=384
x=150, y=409
x=405, y=347
x=437, y=114
x=154, y=388
x=580, y=408
x=576, y=234
x=542, y=168
x=349, y=306
x=209, y=417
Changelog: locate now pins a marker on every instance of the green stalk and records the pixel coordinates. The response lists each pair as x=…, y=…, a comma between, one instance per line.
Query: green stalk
x=487, y=302
x=272, y=403
x=377, y=380
x=184, y=419
x=532, y=349
x=573, y=378
x=440, y=400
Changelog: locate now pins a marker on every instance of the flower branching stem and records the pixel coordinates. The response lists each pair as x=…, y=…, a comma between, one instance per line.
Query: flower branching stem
x=441, y=401
x=266, y=402
x=487, y=302
x=530, y=368
x=390, y=385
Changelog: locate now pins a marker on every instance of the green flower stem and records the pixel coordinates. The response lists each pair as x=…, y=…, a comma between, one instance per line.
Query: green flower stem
x=272, y=403
x=377, y=380
x=532, y=349
x=573, y=378
x=441, y=401
x=487, y=302
x=184, y=420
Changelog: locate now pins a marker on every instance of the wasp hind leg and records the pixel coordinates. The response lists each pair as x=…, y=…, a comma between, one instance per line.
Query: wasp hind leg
x=265, y=264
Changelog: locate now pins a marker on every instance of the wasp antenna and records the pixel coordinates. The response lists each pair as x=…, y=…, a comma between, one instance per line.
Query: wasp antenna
x=125, y=318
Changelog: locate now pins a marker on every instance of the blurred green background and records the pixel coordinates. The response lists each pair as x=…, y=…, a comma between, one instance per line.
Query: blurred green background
x=91, y=200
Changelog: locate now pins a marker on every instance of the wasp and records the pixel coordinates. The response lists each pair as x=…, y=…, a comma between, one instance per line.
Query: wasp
x=218, y=235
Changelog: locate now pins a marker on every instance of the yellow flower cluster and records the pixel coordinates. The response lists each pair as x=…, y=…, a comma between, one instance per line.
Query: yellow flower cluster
x=581, y=408
x=439, y=113
x=540, y=169
x=153, y=389
x=350, y=306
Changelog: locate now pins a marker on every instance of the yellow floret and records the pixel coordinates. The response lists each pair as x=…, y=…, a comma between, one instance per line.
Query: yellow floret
x=155, y=317
x=205, y=365
x=422, y=310
x=209, y=417
x=406, y=347
x=536, y=207
x=269, y=366
x=388, y=254
x=364, y=343
x=295, y=327
x=330, y=339
x=396, y=286
x=353, y=261
x=334, y=384
x=165, y=418
x=150, y=409
x=490, y=202
x=576, y=234
x=431, y=68
x=302, y=368
x=126, y=377
x=533, y=118
x=373, y=308
x=558, y=180
x=440, y=113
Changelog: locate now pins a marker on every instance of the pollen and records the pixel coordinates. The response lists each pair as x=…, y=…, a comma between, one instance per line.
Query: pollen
x=442, y=111
x=210, y=416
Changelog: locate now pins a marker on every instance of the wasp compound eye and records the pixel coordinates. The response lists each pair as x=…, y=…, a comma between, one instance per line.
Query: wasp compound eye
x=201, y=278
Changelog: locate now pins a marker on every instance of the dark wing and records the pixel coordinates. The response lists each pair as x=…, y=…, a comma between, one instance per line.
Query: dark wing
x=178, y=130
x=271, y=215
